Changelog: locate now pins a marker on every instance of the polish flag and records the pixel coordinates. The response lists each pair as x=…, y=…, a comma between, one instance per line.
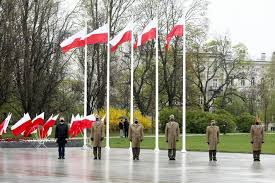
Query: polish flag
x=74, y=41
x=4, y=124
x=44, y=132
x=38, y=120
x=148, y=33
x=177, y=30
x=75, y=128
x=88, y=121
x=122, y=37
x=21, y=125
x=99, y=35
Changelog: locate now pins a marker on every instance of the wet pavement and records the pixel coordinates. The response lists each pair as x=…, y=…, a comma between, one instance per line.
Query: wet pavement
x=42, y=165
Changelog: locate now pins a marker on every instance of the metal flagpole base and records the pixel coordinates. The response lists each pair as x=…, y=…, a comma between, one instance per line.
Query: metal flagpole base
x=107, y=147
x=84, y=147
x=183, y=151
x=156, y=150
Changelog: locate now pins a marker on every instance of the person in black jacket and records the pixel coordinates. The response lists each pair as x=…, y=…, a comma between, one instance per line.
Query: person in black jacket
x=120, y=125
x=126, y=128
x=61, y=136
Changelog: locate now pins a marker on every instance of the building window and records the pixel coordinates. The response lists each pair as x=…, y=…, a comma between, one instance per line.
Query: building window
x=215, y=83
x=252, y=81
x=242, y=82
x=201, y=100
x=232, y=82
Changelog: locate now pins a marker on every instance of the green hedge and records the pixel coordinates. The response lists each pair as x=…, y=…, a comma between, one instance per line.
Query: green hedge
x=244, y=122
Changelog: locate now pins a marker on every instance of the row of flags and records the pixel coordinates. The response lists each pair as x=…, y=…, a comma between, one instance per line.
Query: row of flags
x=100, y=35
x=27, y=126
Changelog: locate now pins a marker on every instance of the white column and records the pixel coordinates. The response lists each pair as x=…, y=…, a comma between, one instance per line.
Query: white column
x=183, y=91
x=132, y=80
x=85, y=92
x=157, y=93
x=108, y=90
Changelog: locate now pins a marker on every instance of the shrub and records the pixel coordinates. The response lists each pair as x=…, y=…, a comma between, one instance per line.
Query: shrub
x=244, y=122
x=116, y=114
x=197, y=121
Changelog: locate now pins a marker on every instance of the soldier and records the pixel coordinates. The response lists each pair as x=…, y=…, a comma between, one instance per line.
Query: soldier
x=213, y=137
x=257, y=139
x=61, y=136
x=172, y=131
x=97, y=137
x=136, y=136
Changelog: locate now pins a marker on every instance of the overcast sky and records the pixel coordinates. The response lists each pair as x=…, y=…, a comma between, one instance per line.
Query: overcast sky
x=251, y=22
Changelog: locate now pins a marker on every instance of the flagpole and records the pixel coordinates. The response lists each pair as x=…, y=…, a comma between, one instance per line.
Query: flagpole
x=157, y=93
x=85, y=91
x=183, y=89
x=108, y=90
x=132, y=79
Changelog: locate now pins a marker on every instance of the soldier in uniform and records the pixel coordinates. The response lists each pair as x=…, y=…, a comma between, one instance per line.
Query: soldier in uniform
x=172, y=132
x=136, y=136
x=97, y=137
x=61, y=136
x=213, y=137
x=257, y=139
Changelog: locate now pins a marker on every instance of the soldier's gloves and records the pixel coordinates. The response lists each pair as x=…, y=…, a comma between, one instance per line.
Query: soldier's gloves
x=102, y=138
x=92, y=139
x=251, y=142
x=166, y=140
x=177, y=140
x=207, y=142
x=141, y=140
x=262, y=142
x=130, y=140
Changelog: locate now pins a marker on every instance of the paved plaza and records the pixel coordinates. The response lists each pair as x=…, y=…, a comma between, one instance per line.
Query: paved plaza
x=42, y=165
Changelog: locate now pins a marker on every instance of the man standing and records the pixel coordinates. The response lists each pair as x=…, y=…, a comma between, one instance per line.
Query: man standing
x=213, y=137
x=172, y=132
x=126, y=127
x=136, y=136
x=97, y=137
x=257, y=139
x=120, y=125
x=61, y=136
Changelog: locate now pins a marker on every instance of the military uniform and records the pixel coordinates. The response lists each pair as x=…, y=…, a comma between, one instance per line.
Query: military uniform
x=172, y=132
x=136, y=136
x=97, y=138
x=213, y=136
x=257, y=138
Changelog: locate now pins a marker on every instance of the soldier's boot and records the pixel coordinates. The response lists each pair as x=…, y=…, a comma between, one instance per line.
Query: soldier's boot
x=254, y=156
x=170, y=154
x=134, y=153
x=99, y=152
x=138, y=152
x=174, y=154
x=258, y=155
x=210, y=155
x=214, y=155
x=95, y=152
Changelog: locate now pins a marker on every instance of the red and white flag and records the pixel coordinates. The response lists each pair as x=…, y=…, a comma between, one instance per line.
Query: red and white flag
x=99, y=35
x=21, y=125
x=122, y=37
x=75, y=128
x=47, y=127
x=88, y=121
x=4, y=125
x=38, y=120
x=148, y=33
x=177, y=30
x=74, y=41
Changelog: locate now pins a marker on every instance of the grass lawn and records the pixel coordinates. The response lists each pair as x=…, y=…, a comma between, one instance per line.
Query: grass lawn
x=228, y=143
